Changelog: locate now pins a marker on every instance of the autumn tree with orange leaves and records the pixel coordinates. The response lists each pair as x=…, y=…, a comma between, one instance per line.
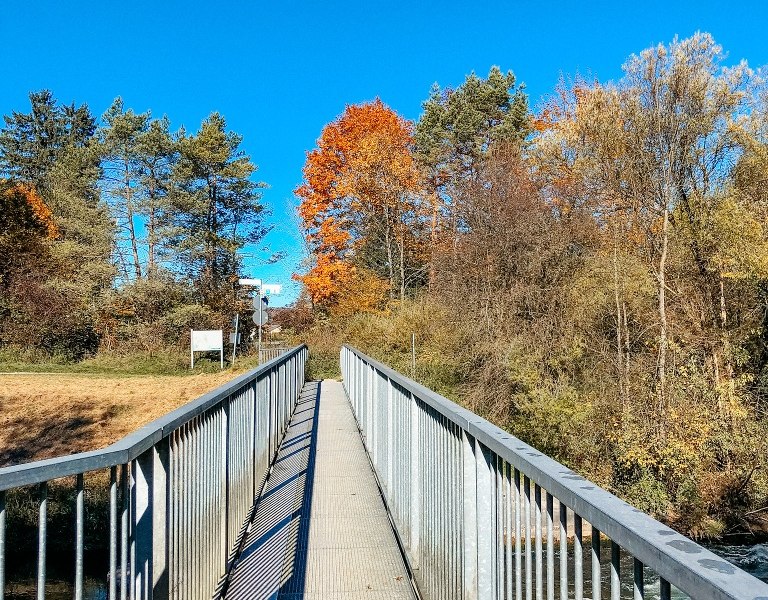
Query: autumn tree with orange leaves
x=359, y=202
x=25, y=222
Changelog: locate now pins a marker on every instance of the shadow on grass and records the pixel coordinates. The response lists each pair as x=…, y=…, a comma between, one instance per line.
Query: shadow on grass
x=37, y=436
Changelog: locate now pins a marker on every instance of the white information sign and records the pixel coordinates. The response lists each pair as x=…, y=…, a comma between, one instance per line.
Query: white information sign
x=206, y=341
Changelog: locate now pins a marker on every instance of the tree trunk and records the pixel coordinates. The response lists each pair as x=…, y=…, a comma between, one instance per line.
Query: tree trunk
x=402, y=266
x=151, y=227
x=129, y=218
x=661, y=372
x=627, y=354
x=390, y=259
x=619, y=350
x=433, y=248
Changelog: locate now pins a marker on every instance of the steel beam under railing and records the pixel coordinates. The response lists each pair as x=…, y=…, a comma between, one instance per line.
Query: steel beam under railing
x=181, y=489
x=474, y=509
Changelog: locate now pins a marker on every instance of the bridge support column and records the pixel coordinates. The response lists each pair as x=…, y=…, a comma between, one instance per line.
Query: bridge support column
x=149, y=520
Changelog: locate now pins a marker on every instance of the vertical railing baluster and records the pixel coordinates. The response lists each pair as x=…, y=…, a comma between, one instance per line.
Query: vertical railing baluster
x=498, y=466
x=596, y=571
x=79, y=516
x=470, y=517
x=563, y=551
x=390, y=435
x=508, y=528
x=456, y=499
x=2, y=545
x=124, y=532
x=550, y=547
x=527, y=529
x=665, y=590
x=638, y=588
x=183, y=561
x=578, y=557
x=172, y=515
x=41, y=540
x=416, y=481
x=615, y=571
x=113, y=533
x=539, y=551
x=206, y=444
x=518, y=537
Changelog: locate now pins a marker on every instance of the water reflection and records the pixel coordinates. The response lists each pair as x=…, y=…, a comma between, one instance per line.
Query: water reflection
x=26, y=589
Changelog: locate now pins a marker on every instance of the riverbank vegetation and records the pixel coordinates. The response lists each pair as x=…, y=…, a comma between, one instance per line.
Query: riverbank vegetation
x=591, y=275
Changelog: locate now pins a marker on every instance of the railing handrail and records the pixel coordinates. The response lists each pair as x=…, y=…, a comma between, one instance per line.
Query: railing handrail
x=684, y=563
x=133, y=444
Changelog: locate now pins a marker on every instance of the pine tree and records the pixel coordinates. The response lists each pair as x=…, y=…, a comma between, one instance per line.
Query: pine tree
x=214, y=209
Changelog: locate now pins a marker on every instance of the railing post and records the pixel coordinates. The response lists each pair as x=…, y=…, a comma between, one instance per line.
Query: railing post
x=150, y=523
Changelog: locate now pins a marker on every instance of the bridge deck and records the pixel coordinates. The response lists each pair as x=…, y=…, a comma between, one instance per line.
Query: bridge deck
x=320, y=529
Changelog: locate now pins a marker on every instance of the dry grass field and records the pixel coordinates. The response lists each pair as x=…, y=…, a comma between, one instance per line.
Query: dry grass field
x=45, y=415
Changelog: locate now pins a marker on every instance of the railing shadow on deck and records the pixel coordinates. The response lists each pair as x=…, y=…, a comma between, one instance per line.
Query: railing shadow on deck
x=273, y=560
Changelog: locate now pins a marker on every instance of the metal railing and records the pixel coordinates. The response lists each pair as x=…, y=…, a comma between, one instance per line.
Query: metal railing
x=181, y=489
x=474, y=509
x=270, y=353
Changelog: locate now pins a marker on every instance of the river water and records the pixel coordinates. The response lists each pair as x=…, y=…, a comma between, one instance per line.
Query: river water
x=753, y=559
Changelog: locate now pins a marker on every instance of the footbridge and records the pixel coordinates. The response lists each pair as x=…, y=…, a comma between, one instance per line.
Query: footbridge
x=373, y=488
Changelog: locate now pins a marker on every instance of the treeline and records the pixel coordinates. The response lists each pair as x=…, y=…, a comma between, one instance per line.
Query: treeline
x=592, y=276
x=118, y=234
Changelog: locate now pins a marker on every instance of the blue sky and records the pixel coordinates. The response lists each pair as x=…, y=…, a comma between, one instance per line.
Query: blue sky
x=278, y=71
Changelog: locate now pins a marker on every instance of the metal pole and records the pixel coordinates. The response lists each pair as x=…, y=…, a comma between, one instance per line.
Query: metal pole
x=234, y=345
x=41, y=540
x=261, y=305
x=413, y=355
x=80, y=515
x=2, y=545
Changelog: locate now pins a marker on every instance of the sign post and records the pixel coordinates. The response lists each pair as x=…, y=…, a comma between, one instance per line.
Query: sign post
x=205, y=341
x=234, y=341
x=260, y=301
x=260, y=317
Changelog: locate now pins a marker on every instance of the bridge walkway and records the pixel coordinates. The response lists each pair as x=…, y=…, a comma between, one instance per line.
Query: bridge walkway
x=321, y=530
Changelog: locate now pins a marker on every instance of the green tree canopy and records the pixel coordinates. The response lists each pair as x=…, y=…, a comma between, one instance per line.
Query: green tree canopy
x=215, y=207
